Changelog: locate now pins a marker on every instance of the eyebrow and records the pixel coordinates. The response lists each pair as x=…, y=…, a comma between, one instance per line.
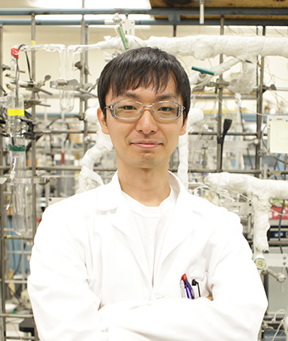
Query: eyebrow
x=162, y=97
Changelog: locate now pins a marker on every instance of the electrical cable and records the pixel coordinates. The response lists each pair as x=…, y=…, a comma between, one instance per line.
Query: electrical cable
x=28, y=67
x=220, y=140
x=278, y=329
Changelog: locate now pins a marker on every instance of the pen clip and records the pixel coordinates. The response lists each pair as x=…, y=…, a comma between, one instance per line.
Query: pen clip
x=194, y=282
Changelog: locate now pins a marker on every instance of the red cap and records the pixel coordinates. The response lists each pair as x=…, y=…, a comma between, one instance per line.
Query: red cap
x=184, y=277
x=15, y=52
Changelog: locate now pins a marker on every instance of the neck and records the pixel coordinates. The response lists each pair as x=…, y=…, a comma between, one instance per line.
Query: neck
x=147, y=186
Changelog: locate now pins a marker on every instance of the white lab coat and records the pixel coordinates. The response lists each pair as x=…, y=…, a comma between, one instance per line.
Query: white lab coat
x=89, y=275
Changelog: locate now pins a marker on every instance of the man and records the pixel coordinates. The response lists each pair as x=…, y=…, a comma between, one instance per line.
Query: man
x=141, y=258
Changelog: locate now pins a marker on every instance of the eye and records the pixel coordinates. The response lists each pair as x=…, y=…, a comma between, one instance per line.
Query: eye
x=166, y=108
x=127, y=107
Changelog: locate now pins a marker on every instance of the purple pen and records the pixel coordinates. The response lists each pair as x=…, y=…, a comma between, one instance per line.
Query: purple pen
x=188, y=288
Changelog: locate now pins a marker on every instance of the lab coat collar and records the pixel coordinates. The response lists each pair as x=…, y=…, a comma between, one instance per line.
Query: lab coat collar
x=109, y=202
x=109, y=195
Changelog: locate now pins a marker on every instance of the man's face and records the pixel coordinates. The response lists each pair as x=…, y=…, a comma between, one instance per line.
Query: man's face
x=144, y=143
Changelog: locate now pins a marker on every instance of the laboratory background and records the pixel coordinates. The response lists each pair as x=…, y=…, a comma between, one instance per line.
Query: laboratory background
x=234, y=152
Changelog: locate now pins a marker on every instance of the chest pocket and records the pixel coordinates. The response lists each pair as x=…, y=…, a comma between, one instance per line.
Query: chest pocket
x=197, y=276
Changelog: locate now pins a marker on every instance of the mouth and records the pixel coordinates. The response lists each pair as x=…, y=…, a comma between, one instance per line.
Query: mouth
x=146, y=144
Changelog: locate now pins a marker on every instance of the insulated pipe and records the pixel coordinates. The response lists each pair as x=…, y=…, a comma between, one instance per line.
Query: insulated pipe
x=207, y=46
x=259, y=191
x=259, y=112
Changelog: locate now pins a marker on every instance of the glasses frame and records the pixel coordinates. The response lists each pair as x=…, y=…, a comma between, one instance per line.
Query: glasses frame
x=111, y=107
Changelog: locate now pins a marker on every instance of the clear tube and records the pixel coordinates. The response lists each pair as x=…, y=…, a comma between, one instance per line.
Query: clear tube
x=67, y=99
x=17, y=150
x=15, y=106
x=66, y=90
x=20, y=191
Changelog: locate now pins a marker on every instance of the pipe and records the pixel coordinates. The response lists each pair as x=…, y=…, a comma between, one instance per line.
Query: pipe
x=84, y=76
x=2, y=220
x=17, y=316
x=33, y=142
x=201, y=16
x=154, y=11
x=259, y=118
x=219, y=114
x=155, y=22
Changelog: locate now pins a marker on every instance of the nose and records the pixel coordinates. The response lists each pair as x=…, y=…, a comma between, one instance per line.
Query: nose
x=147, y=123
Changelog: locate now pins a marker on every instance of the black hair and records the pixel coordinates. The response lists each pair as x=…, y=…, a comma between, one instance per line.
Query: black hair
x=144, y=66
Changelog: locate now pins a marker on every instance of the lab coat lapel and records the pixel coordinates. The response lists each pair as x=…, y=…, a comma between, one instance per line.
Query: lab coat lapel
x=123, y=221
x=180, y=227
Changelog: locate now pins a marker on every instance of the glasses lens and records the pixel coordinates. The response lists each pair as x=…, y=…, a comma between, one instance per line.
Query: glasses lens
x=130, y=110
x=166, y=110
x=127, y=109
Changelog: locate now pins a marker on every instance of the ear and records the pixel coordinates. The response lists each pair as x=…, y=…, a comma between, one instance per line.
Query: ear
x=183, y=128
x=102, y=121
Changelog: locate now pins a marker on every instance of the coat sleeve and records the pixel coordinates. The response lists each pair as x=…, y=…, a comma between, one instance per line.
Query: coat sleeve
x=63, y=305
x=235, y=314
x=65, y=308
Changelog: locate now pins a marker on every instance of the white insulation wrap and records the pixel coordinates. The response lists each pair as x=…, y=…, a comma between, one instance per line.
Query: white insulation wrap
x=264, y=189
x=259, y=191
x=244, y=49
x=88, y=179
x=195, y=115
x=199, y=46
x=242, y=82
x=207, y=46
x=45, y=47
x=183, y=159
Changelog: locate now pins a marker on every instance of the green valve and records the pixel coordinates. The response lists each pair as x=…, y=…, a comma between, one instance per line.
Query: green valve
x=17, y=148
x=203, y=70
x=123, y=38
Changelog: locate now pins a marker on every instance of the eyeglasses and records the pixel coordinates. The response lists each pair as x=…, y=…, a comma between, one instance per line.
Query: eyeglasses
x=130, y=110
